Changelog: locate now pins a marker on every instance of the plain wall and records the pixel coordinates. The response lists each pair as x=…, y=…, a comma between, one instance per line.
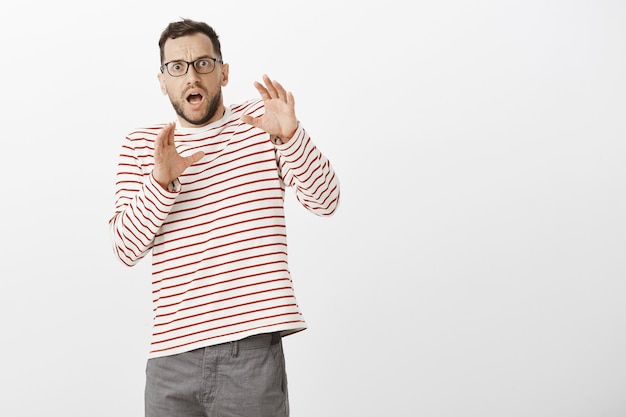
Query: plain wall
x=476, y=265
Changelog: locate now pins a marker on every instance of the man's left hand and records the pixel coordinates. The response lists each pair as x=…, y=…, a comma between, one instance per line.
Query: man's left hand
x=279, y=119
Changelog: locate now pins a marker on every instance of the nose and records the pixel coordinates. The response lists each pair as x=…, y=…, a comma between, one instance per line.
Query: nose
x=192, y=75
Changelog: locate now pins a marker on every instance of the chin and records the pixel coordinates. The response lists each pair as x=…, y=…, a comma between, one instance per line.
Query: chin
x=196, y=118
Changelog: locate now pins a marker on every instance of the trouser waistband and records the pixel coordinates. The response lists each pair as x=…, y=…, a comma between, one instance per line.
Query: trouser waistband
x=252, y=342
x=258, y=340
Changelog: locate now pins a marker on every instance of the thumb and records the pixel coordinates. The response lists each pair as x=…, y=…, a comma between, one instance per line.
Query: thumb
x=194, y=158
x=246, y=118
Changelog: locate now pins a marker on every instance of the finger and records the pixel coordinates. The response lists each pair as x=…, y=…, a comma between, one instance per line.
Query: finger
x=265, y=95
x=170, y=133
x=282, y=93
x=160, y=138
x=194, y=158
x=269, y=84
x=246, y=118
x=166, y=136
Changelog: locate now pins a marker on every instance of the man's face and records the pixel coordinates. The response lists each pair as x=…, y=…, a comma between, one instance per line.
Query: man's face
x=197, y=98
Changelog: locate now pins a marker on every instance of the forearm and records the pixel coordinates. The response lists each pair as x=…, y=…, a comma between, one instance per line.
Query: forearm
x=310, y=173
x=138, y=218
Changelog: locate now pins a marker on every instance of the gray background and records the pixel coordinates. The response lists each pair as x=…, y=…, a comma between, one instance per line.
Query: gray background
x=476, y=264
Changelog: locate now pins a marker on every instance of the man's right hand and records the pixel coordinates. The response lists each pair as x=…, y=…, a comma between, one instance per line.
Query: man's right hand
x=168, y=164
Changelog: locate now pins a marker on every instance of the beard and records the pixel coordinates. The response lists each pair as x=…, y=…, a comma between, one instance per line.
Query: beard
x=214, y=104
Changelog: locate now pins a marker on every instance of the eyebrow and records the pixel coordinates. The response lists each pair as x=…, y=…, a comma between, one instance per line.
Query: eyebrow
x=197, y=58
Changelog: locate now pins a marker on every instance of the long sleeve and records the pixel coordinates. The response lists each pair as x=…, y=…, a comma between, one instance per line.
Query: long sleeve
x=141, y=207
x=217, y=237
x=305, y=169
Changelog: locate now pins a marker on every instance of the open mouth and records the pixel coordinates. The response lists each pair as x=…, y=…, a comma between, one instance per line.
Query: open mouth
x=194, y=98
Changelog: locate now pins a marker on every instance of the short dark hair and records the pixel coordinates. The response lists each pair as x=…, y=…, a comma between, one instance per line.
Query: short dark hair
x=186, y=27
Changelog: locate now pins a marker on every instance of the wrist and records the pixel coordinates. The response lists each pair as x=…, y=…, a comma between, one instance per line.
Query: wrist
x=280, y=140
x=171, y=186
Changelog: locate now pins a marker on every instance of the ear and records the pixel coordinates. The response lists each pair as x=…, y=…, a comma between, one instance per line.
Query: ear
x=224, y=71
x=161, y=79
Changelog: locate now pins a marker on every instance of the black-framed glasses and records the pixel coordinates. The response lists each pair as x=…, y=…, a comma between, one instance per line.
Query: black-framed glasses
x=180, y=68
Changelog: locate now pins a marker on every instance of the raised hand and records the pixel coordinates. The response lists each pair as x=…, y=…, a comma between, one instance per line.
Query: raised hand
x=168, y=164
x=280, y=116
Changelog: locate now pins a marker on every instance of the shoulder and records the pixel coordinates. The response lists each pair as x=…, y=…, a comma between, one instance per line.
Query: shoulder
x=147, y=132
x=252, y=107
x=143, y=137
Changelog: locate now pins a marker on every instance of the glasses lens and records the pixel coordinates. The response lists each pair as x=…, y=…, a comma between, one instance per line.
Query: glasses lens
x=177, y=68
x=204, y=66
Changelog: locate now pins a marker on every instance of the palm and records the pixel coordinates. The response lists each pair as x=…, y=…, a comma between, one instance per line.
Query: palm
x=280, y=116
x=168, y=164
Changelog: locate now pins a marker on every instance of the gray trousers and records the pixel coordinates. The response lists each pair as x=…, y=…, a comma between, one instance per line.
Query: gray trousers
x=246, y=378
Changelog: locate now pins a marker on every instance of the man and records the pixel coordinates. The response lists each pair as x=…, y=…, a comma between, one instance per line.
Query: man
x=205, y=195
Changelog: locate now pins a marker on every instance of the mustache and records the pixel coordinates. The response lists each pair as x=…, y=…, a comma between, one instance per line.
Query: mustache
x=185, y=92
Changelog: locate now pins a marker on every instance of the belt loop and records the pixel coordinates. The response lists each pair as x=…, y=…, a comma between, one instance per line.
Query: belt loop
x=234, y=348
x=275, y=338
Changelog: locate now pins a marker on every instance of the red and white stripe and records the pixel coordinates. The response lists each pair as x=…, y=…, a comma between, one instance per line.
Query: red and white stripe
x=218, y=241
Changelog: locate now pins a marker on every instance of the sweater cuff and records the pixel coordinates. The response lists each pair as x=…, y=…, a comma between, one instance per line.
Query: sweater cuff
x=293, y=141
x=174, y=186
x=163, y=199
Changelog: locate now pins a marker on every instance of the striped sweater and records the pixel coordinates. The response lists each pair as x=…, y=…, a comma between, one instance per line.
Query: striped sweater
x=217, y=235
